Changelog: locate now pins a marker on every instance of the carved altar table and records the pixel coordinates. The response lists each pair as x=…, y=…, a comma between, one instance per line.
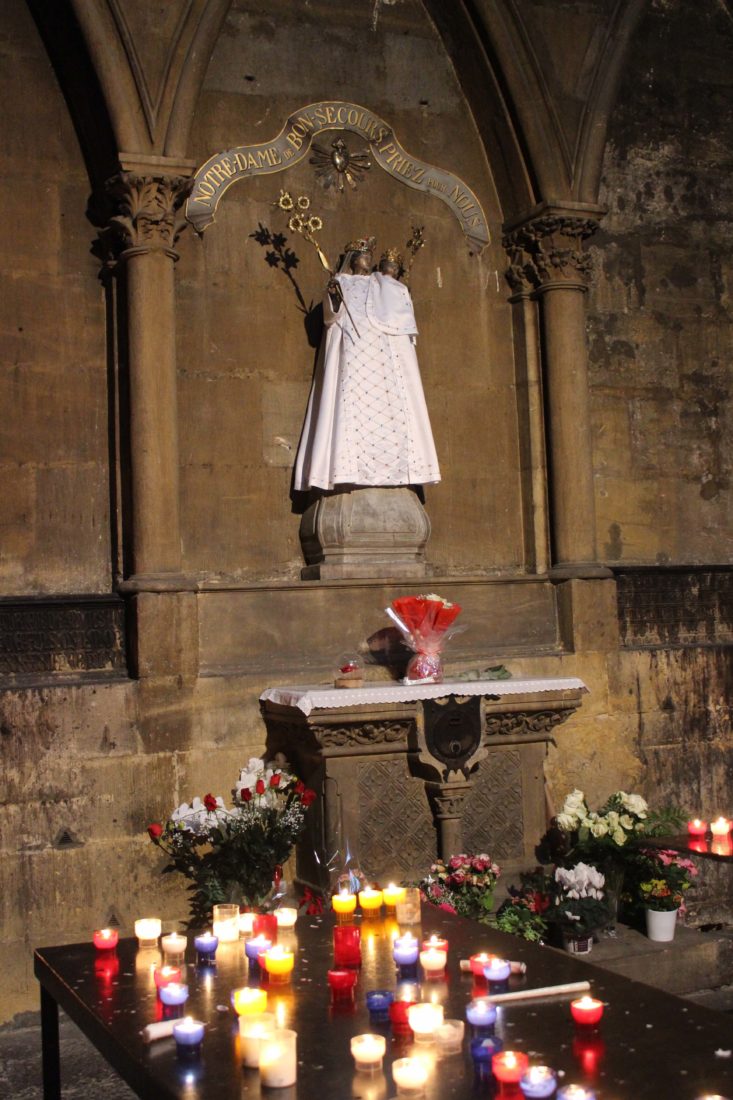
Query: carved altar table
x=405, y=773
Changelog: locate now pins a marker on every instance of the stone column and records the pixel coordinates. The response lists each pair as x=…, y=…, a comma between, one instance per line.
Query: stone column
x=447, y=800
x=146, y=227
x=547, y=248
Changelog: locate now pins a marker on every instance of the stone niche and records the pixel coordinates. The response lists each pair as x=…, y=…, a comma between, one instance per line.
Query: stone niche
x=402, y=783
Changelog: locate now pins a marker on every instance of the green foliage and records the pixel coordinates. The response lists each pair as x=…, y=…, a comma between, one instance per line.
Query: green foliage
x=516, y=917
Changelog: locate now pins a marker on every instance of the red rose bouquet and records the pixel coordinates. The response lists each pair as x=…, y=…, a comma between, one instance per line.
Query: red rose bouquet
x=235, y=854
x=462, y=884
x=426, y=623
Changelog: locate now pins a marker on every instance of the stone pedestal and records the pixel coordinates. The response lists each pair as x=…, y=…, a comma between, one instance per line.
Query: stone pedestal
x=365, y=532
x=403, y=782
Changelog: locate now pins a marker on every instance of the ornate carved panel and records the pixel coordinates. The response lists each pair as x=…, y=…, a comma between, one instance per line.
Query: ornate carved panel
x=366, y=733
x=150, y=212
x=493, y=820
x=396, y=827
x=534, y=723
x=62, y=636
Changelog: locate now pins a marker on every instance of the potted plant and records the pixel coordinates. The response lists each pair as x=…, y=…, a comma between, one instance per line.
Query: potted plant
x=663, y=893
x=579, y=906
x=517, y=917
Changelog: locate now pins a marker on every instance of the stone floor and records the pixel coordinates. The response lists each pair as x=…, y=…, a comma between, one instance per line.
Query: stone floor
x=699, y=963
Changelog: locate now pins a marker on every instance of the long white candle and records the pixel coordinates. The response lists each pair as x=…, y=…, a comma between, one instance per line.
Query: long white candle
x=541, y=991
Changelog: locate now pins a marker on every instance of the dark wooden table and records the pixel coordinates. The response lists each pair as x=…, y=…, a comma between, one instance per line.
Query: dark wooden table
x=650, y=1045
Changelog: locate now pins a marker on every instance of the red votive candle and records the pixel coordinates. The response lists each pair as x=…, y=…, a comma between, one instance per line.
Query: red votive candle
x=509, y=1066
x=265, y=924
x=105, y=939
x=342, y=984
x=438, y=942
x=586, y=1011
x=346, y=945
x=398, y=1017
x=165, y=974
x=697, y=828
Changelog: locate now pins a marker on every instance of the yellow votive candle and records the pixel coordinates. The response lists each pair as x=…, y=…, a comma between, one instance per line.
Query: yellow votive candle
x=343, y=904
x=392, y=895
x=279, y=963
x=370, y=900
x=247, y=1001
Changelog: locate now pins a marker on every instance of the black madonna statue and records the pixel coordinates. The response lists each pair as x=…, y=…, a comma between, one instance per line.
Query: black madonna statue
x=367, y=423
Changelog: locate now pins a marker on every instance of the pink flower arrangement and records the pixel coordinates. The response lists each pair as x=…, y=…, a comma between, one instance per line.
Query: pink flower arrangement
x=462, y=884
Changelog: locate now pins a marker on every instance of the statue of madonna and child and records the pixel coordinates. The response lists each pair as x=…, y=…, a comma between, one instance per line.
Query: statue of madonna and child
x=366, y=422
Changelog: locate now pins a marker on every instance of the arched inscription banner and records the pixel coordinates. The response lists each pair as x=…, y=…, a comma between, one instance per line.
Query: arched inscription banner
x=293, y=143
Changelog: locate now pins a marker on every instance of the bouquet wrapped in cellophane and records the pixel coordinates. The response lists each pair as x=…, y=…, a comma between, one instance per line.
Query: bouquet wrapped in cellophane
x=426, y=623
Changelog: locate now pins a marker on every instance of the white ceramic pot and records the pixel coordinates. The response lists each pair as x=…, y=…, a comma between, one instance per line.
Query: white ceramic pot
x=660, y=925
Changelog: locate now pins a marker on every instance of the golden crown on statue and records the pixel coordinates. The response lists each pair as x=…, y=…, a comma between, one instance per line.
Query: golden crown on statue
x=392, y=256
x=361, y=244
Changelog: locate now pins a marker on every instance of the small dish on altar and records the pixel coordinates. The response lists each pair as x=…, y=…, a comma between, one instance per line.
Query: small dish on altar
x=349, y=672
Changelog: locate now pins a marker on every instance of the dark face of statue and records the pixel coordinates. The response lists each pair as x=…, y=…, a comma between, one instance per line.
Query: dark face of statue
x=390, y=267
x=361, y=263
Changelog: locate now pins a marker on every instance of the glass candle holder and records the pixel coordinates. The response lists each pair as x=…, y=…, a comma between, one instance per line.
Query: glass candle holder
x=253, y=1028
x=226, y=923
x=586, y=1011
x=575, y=1092
x=439, y=943
x=481, y=1014
x=410, y=1075
x=164, y=975
x=407, y=911
x=405, y=950
x=378, y=1002
x=391, y=895
x=279, y=1059
x=448, y=1036
x=368, y=1052
x=344, y=905
x=342, y=983
x=346, y=945
x=105, y=939
x=697, y=828
x=497, y=970
x=433, y=963
x=147, y=930
x=246, y=923
x=174, y=994
x=174, y=948
x=720, y=827
x=370, y=901
x=188, y=1034
x=477, y=964
x=286, y=916
x=265, y=924
x=482, y=1053
x=509, y=1066
x=248, y=1001
x=254, y=948
x=538, y=1082
x=423, y=1019
x=206, y=945
x=398, y=1018
x=279, y=964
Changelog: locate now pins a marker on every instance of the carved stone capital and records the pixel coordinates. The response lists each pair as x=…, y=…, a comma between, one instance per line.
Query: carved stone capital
x=548, y=251
x=447, y=799
x=149, y=212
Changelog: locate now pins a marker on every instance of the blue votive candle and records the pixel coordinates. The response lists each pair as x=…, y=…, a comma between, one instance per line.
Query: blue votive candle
x=253, y=948
x=173, y=994
x=497, y=970
x=481, y=1015
x=189, y=1035
x=405, y=950
x=538, y=1082
x=206, y=945
x=482, y=1051
x=378, y=1002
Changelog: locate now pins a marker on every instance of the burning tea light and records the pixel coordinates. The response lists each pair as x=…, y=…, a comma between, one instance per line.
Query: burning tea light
x=278, y=1059
x=105, y=939
x=253, y=1028
x=189, y=1035
x=433, y=962
x=538, y=1082
x=481, y=1013
x=440, y=943
x=173, y=994
x=226, y=923
x=368, y=1052
x=247, y=1001
x=164, y=975
x=347, y=945
x=586, y=1011
x=478, y=962
x=279, y=964
x=405, y=950
x=424, y=1018
x=497, y=970
x=174, y=947
x=509, y=1066
x=206, y=945
x=449, y=1036
x=255, y=947
x=392, y=895
x=246, y=923
x=720, y=827
x=147, y=930
x=370, y=901
x=410, y=1075
x=285, y=916
x=575, y=1092
x=344, y=904
x=697, y=828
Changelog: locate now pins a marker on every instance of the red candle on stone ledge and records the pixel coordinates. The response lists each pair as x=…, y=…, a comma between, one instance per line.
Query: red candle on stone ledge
x=586, y=1011
x=697, y=828
x=105, y=939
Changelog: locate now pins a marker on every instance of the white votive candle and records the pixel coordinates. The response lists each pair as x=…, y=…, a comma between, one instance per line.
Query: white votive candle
x=448, y=1036
x=433, y=962
x=368, y=1052
x=410, y=1075
x=246, y=924
x=226, y=923
x=252, y=1030
x=174, y=947
x=147, y=930
x=423, y=1019
x=278, y=1059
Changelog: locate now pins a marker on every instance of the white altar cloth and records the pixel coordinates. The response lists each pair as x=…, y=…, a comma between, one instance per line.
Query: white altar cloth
x=306, y=697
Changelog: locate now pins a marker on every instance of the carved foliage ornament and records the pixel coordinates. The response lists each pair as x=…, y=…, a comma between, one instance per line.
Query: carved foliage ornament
x=525, y=723
x=370, y=733
x=549, y=249
x=150, y=210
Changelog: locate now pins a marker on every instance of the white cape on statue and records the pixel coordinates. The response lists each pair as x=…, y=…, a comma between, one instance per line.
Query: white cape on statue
x=367, y=422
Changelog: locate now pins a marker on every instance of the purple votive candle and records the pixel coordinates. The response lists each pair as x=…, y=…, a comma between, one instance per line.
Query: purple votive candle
x=189, y=1035
x=206, y=945
x=538, y=1083
x=173, y=994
